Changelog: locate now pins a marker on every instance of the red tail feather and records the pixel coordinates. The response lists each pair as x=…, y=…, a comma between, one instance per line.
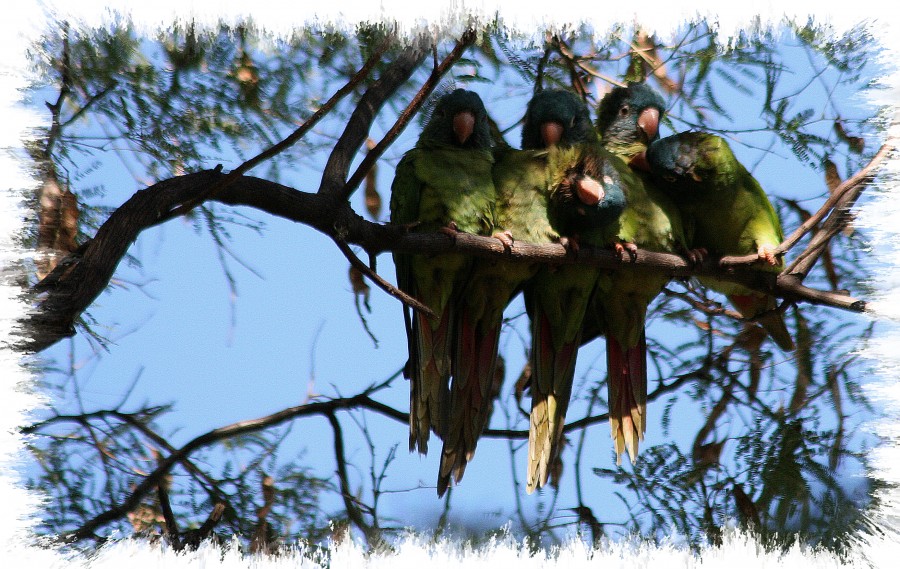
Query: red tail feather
x=627, y=386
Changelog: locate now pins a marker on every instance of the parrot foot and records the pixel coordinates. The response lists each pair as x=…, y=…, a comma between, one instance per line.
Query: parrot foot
x=570, y=243
x=506, y=238
x=767, y=253
x=697, y=256
x=450, y=230
x=626, y=247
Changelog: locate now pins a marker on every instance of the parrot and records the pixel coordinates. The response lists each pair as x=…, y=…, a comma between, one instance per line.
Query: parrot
x=729, y=213
x=627, y=122
x=444, y=183
x=526, y=181
x=583, y=207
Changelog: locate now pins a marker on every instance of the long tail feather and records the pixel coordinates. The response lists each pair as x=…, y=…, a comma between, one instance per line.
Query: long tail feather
x=761, y=309
x=627, y=389
x=474, y=368
x=553, y=371
x=429, y=383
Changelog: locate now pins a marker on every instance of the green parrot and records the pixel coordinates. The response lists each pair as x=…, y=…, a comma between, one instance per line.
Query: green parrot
x=583, y=206
x=628, y=120
x=527, y=181
x=729, y=214
x=444, y=183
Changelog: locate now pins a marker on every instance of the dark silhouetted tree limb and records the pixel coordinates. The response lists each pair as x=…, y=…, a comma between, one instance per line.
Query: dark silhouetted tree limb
x=82, y=276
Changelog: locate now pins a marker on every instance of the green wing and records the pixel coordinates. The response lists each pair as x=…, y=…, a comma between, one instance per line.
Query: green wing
x=729, y=213
x=406, y=190
x=558, y=297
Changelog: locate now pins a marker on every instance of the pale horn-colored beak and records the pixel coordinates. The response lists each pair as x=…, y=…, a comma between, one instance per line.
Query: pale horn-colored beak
x=463, y=125
x=551, y=133
x=648, y=121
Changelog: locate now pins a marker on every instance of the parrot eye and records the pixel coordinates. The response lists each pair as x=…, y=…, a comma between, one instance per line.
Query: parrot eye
x=624, y=110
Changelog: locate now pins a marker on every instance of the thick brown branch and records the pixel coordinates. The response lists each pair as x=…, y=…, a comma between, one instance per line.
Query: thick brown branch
x=77, y=281
x=792, y=288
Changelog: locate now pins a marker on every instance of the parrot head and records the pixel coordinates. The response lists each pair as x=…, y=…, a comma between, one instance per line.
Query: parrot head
x=558, y=117
x=459, y=119
x=630, y=115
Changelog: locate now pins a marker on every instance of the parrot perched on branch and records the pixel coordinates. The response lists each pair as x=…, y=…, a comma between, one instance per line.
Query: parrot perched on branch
x=628, y=121
x=728, y=214
x=584, y=202
x=443, y=184
x=542, y=180
x=521, y=178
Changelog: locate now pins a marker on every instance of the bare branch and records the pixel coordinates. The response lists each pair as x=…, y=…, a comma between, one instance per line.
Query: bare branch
x=594, y=419
x=350, y=503
x=382, y=284
x=334, y=175
x=292, y=138
x=209, y=438
x=861, y=178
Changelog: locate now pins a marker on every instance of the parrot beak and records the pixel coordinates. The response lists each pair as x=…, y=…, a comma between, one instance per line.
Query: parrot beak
x=590, y=191
x=648, y=122
x=551, y=133
x=463, y=125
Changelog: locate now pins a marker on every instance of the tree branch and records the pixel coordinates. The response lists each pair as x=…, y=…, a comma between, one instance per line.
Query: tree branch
x=82, y=276
x=291, y=139
x=353, y=510
x=835, y=207
x=334, y=175
x=852, y=184
x=153, y=479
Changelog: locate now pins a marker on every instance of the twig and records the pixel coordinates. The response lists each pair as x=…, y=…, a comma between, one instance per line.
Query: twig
x=290, y=140
x=594, y=419
x=209, y=438
x=382, y=284
x=353, y=511
x=64, y=90
x=407, y=114
x=862, y=177
x=334, y=175
x=567, y=53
